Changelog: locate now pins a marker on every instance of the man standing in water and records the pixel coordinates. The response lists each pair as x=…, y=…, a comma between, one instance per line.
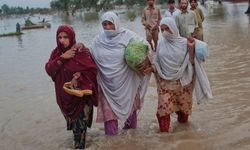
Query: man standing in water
x=186, y=21
x=151, y=18
x=200, y=18
x=172, y=11
x=18, y=28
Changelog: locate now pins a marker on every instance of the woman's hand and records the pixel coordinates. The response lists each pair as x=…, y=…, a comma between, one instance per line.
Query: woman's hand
x=74, y=80
x=78, y=46
x=191, y=49
x=142, y=66
x=69, y=53
x=148, y=70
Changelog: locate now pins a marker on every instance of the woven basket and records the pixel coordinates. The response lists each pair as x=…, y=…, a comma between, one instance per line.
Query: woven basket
x=79, y=93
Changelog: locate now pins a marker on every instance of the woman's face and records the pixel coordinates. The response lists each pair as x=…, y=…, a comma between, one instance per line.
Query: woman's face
x=165, y=28
x=107, y=25
x=63, y=39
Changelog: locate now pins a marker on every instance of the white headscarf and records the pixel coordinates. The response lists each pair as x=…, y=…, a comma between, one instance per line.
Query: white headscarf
x=172, y=57
x=172, y=62
x=117, y=81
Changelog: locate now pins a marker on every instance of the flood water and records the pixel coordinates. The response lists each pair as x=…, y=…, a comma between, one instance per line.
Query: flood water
x=31, y=119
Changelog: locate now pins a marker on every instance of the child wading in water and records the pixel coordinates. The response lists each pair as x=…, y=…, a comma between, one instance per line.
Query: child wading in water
x=151, y=18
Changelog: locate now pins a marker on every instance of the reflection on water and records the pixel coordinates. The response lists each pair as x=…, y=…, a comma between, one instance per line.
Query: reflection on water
x=31, y=119
x=20, y=41
x=67, y=19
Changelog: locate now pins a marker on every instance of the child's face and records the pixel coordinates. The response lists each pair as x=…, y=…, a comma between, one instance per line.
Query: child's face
x=151, y=2
x=64, y=39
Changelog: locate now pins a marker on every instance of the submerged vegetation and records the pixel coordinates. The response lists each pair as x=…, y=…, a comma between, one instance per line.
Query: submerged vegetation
x=94, y=5
x=11, y=34
x=6, y=10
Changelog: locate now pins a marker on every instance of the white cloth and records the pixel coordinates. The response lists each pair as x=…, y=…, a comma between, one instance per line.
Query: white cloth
x=172, y=63
x=173, y=14
x=118, y=82
x=202, y=87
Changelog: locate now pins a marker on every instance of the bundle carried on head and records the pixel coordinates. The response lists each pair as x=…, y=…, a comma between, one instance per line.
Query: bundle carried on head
x=135, y=54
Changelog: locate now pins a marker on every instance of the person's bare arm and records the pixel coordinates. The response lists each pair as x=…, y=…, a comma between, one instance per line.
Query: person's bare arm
x=202, y=15
x=191, y=50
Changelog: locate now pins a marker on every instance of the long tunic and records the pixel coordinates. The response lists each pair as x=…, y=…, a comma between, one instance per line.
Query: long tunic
x=173, y=14
x=152, y=17
x=118, y=83
x=172, y=97
x=62, y=70
x=186, y=23
x=200, y=19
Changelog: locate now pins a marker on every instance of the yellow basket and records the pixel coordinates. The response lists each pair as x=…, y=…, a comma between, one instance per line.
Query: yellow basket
x=79, y=93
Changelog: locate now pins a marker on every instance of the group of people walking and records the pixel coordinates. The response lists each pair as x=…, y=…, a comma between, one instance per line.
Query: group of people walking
x=117, y=90
x=188, y=21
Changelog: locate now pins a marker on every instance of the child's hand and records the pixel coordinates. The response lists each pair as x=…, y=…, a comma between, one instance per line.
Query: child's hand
x=155, y=27
x=148, y=26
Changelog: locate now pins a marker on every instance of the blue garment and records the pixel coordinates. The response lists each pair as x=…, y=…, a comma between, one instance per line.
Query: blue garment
x=201, y=50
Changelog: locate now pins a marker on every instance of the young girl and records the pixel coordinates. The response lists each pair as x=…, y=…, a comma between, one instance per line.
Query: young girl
x=66, y=64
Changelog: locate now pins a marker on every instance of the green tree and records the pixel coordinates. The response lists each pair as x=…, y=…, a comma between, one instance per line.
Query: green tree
x=118, y=2
x=77, y=4
x=63, y=5
x=105, y=4
x=55, y=5
x=87, y=4
x=17, y=10
x=129, y=3
x=161, y=1
x=141, y=2
x=5, y=9
x=94, y=4
x=27, y=10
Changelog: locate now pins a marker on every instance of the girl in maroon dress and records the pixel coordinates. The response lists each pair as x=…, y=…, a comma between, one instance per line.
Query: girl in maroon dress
x=68, y=63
